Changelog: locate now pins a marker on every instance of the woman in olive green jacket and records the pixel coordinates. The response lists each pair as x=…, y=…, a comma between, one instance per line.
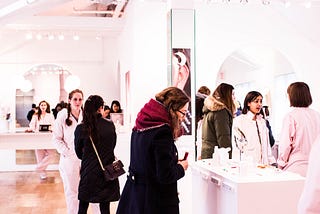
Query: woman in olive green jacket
x=217, y=122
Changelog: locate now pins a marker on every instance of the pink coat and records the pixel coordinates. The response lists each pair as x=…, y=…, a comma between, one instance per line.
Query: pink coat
x=300, y=128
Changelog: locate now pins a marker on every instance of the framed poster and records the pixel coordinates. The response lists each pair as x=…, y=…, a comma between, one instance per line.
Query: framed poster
x=181, y=78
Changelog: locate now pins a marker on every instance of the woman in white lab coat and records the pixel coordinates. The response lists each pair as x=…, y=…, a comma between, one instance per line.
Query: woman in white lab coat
x=43, y=156
x=63, y=138
x=251, y=126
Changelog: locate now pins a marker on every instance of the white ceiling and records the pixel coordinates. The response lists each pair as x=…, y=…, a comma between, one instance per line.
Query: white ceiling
x=86, y=15
x=106, y=17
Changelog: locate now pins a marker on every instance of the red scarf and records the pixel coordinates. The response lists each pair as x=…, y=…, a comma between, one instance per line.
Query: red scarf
x=152, y=114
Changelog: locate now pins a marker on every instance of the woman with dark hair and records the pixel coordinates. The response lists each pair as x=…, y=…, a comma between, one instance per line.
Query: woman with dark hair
x=151, y=186
x=218, y=112
x=251, y=125
x=115, y=107
x=42, y=116
x=63, y=138
x=93, y=188
x=300, y=128
x=106, y=112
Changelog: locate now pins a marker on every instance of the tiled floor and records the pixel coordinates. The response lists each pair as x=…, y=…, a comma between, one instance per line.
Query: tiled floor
x=25, y=193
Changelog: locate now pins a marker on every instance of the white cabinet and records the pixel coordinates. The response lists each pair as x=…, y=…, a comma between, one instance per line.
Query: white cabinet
x=221, y=190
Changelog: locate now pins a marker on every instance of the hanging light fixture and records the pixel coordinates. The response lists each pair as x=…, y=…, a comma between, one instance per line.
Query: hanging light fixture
x=72, y=82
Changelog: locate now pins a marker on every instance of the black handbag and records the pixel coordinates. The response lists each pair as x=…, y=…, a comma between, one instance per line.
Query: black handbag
x=110, y=171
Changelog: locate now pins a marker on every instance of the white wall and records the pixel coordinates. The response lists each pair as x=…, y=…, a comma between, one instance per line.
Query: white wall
x=224, y=28
x=94, y=61
x=144, y=52
x=142, y=49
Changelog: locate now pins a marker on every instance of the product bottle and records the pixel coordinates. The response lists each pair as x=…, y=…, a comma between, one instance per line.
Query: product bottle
x=216, y=157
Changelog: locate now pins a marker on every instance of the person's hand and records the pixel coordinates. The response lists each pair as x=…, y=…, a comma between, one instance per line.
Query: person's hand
x=28, y=130
x=184, y=164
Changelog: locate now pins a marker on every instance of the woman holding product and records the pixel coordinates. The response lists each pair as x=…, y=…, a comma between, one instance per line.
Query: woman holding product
x=42, y=117
x=252, y=128
x=151, y=186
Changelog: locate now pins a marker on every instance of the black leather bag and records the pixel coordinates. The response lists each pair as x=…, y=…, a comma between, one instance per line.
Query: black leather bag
x=114, y=170
x=111, y=171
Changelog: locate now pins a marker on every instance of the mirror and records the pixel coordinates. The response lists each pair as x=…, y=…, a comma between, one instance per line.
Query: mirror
x=262, y=69
x=42, y=82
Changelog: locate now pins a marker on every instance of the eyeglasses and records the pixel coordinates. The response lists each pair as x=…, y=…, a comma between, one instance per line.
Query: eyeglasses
x=183, y=113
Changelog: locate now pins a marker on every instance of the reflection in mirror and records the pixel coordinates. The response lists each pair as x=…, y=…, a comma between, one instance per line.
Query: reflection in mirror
x=47, y=82
x=261, y=69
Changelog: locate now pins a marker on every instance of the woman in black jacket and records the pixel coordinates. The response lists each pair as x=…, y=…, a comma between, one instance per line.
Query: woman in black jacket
x=93, y=188
x=155, y=168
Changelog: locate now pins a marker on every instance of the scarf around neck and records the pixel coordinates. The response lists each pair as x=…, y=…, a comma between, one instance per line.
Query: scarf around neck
x=151, y=115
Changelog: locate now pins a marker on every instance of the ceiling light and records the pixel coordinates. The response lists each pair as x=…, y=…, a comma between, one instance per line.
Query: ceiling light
x=39, y=36
x=72, y=82
x=61, y=37
x=308, y=5
x=287, y=4
x=76, y=37
x=29, y=36
x=30, y=1
x=51, y=37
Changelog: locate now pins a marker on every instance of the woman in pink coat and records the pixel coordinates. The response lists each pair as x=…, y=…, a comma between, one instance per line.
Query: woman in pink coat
x=300, y=128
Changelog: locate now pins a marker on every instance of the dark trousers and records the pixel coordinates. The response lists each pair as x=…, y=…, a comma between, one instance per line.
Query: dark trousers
x=104, y=207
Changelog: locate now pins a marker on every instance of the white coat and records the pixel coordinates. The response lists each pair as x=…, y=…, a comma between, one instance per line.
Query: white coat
x=260, y=152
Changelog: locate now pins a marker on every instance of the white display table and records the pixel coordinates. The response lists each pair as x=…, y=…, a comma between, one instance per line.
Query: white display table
x=22, y=140
x=12, y=141
x=19, y=140
x=221, y=190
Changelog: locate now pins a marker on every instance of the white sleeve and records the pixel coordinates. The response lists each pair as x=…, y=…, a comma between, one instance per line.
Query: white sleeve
x=235, y=150
x=58, y=135
x=33, y=123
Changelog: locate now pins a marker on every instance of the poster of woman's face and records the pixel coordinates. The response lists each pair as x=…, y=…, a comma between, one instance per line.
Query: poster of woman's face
x=181, y=78
x=181, y=74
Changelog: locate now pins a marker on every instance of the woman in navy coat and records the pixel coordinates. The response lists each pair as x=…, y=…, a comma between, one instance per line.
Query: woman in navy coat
x=154, y=170
x=93, y=188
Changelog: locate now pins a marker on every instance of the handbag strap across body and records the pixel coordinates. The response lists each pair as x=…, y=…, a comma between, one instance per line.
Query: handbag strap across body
x=95, y=150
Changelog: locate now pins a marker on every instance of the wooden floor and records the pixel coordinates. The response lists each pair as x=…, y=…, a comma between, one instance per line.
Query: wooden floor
x=25, y=193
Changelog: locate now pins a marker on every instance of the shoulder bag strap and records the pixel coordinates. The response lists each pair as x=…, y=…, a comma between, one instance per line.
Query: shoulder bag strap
x=95, y=150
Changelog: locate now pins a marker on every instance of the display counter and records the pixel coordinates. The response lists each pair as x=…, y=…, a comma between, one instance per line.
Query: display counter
x=225, y=190
x=20, y=140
